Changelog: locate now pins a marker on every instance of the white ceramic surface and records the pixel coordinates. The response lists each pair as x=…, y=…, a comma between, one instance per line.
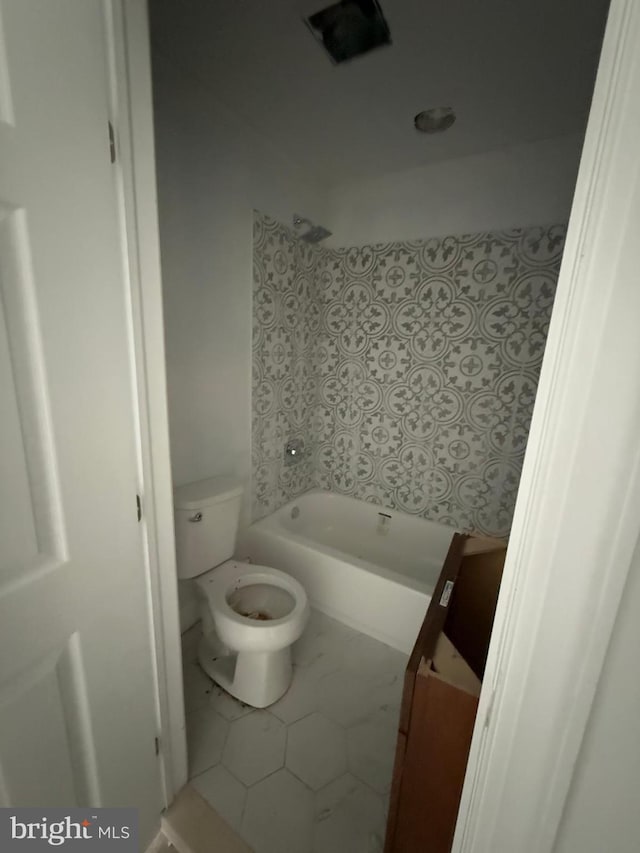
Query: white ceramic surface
x=251, y=657
x=206, y=515
x=377, y=582
x=250, y=615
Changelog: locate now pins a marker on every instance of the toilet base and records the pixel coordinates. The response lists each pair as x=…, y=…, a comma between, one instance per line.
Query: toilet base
x=256, y=678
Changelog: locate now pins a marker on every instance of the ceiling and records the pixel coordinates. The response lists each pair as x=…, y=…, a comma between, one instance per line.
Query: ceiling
x=514, y=71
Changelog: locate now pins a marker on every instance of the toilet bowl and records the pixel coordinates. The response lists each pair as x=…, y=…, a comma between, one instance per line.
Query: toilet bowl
x=251, y=615
x=258, y=612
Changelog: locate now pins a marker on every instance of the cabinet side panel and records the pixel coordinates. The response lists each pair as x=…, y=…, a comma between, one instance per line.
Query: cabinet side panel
x=394, y=797
x=435, y=760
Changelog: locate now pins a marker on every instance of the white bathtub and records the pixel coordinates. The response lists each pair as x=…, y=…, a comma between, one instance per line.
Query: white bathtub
x=372, y=568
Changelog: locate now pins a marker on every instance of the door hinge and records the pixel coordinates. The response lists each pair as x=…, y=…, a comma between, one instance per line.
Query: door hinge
x=157, y=745
x=139, y=507
x=112, y=143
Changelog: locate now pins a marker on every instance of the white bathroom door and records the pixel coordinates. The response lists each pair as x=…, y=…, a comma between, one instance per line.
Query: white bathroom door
x=77, y=692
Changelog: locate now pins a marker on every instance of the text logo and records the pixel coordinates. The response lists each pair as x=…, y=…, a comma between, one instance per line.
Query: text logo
x=38, y=829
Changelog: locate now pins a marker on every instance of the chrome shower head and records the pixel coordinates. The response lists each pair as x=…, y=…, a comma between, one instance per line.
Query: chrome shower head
x=314, y=233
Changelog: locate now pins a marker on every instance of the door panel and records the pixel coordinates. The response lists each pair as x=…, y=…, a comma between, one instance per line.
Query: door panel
x=78, y=715
x=31, y=522
x=59, y=738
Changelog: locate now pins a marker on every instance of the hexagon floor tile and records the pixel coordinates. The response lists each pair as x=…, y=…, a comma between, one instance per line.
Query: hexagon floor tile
x=345, y=697
x=206, y=736
x=190, y=641
x=301, y=698
x=350, y=818
x=366, y=655
x=323, y=644
x=371, y=746
x=255, y=746
x=278, y=816
x=226, y=705
x=332, y=732
x=223, y=792
x=197, y=687
x=316, y=750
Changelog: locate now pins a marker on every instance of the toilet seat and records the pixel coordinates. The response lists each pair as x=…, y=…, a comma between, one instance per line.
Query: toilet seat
x=220, y=582
x=251, y=657
x=239, y=632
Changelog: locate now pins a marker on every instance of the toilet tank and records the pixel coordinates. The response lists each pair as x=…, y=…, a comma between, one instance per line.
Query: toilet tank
x=207, y=514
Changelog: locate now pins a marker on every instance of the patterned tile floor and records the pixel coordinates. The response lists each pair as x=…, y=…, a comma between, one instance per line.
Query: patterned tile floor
x=311, y=774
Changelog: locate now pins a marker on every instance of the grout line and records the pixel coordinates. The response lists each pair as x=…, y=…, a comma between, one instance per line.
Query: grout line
x=244, y=805
x=344, y=728
x=231, y=773
x=268, y=776
x=286, y=742
x=202, y=772
x=306, y=784
x=383, y=797
x=299, y=719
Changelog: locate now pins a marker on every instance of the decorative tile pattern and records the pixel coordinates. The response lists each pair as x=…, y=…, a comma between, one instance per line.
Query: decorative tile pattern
x=409, y=368
x=286, y=320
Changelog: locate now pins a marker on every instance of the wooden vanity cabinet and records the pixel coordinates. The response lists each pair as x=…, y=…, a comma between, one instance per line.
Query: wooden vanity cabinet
x=440, y=698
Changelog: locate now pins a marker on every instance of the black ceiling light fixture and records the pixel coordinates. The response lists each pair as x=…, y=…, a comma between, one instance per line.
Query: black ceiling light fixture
x=350, y=28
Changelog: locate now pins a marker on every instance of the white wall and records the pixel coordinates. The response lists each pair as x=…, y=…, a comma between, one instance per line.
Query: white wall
x=212, y=171
x=528, y=184
x=602, y=810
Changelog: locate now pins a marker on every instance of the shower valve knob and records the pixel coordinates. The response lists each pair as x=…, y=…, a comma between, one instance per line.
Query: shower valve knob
x=293, y=450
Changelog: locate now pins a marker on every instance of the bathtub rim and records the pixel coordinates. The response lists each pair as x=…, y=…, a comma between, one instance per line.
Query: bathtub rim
x=269, y=524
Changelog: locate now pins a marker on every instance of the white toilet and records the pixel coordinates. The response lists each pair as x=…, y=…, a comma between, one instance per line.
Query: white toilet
x=251, y=615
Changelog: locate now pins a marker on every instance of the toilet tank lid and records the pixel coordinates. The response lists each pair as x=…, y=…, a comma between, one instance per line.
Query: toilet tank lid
x=213, y=490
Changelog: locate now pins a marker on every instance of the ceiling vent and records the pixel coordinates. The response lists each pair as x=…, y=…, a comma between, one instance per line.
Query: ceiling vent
x=350, y=28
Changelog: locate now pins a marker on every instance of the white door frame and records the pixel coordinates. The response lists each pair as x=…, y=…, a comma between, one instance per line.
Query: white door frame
x=576, y=520
x=577, y=517
x=132, y=118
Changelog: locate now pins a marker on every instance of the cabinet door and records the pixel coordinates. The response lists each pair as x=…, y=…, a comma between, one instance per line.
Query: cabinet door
x=435, y=761
x=433, y=623
x=438, y=705
x=424, y=648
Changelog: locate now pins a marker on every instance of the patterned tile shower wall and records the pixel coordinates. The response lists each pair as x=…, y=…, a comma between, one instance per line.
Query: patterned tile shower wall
x=409, y=368
x=286, y=320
